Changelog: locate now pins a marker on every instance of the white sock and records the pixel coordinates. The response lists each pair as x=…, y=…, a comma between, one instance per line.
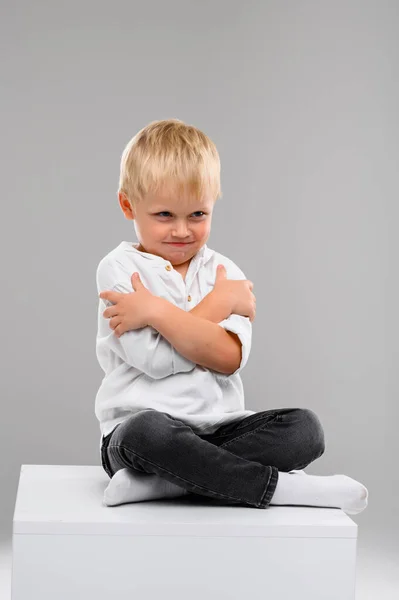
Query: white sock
x=332, y=491
x=128, y=485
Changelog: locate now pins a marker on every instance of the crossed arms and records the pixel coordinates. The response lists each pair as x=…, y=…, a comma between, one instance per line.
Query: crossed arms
x=211, y=334
x=177, y=341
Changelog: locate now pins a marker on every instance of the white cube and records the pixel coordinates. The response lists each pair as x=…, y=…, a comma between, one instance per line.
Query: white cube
x=68, y=545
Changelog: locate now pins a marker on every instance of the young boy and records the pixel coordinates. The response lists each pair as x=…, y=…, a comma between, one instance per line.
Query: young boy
x=171, y=403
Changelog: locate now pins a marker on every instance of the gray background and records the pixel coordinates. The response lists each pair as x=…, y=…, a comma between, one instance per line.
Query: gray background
x=301, y=99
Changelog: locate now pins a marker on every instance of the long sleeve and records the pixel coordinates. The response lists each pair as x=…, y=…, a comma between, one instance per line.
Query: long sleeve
x=242, y=326
x=145, y=349
x=238, y=324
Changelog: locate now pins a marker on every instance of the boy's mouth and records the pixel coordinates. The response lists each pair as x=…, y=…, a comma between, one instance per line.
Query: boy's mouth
x=179, y=243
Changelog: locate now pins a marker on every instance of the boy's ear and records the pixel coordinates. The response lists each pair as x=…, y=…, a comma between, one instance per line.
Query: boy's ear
x=125, y=206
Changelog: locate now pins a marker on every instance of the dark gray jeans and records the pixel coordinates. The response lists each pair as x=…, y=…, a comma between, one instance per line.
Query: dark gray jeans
x=237, y=464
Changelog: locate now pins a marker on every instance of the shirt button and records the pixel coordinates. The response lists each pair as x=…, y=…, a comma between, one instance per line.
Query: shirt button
x=189, y=298
x=168, y=268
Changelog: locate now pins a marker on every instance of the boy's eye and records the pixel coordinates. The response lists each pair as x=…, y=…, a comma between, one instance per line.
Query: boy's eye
x=165, y=212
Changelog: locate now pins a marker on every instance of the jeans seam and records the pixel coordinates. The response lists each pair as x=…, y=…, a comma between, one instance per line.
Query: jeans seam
x=270, y=487
x=239, y=437
x=260, y=417
x=104, y=463
x=218, y=494
x=238, y=427
x=262, y=501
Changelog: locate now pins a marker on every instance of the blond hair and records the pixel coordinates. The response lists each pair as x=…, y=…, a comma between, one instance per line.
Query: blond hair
x=170, y=153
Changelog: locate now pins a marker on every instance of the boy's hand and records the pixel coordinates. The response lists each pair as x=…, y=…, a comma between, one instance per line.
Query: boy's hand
x=235, y=293
x=129, y=311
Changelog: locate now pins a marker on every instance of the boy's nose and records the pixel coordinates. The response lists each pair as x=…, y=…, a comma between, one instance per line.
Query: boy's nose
x=180, y=231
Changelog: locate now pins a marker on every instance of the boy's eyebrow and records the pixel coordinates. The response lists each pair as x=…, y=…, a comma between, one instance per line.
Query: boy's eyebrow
x=163, y=208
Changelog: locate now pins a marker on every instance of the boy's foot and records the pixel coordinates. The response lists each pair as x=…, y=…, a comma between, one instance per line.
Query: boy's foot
x=128, y=485
x=333, y=491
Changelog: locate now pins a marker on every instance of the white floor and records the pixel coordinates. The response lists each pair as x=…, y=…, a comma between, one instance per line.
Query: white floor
x=377, y=573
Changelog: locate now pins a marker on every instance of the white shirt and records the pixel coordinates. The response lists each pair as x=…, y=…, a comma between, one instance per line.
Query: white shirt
x=142, y=368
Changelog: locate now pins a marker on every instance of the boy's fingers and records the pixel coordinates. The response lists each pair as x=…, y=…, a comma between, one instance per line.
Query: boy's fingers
x=107, y=295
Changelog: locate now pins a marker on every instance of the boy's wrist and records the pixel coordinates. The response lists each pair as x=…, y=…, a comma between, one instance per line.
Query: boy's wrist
x=155, y=308
x=214, y=307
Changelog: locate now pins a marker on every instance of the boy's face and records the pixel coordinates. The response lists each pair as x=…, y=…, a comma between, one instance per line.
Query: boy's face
x=166, y=217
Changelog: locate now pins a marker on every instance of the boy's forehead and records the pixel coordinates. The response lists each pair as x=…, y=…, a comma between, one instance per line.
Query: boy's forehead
x=170, y=199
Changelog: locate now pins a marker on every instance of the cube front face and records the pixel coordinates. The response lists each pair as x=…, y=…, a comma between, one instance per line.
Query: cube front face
x=176, y=567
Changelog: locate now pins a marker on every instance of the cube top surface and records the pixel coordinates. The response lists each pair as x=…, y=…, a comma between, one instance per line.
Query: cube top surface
x=68, y=499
